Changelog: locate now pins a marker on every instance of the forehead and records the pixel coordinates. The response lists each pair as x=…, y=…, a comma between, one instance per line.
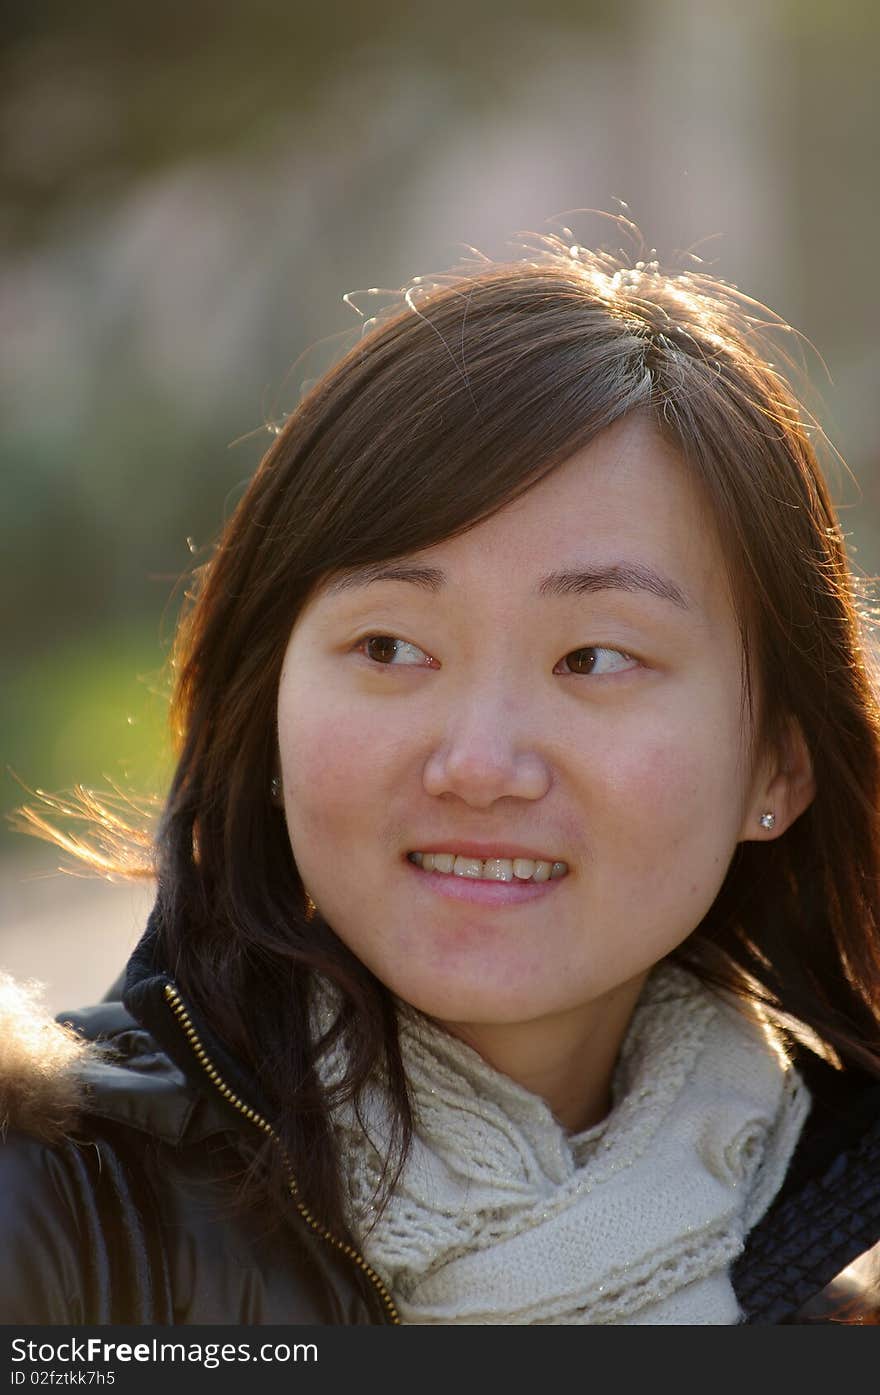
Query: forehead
x=625, y=506
x=627, y=489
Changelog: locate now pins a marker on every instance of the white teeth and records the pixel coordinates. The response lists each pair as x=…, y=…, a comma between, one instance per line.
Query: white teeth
x=468, y=867
x=498, y=869
x=495, y=869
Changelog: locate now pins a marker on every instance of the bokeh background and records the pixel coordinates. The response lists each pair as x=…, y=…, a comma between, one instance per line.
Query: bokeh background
x=189, y=189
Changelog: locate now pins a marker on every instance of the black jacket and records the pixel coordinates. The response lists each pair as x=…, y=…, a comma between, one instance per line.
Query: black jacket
x=133, y=1218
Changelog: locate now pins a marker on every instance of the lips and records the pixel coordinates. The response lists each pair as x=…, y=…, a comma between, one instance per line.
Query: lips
x=491, y=882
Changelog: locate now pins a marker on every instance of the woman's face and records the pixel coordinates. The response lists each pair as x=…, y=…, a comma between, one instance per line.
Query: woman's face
x=560, y=684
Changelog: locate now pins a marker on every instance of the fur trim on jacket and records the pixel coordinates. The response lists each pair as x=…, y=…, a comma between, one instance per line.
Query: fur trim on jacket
x=42, y=1090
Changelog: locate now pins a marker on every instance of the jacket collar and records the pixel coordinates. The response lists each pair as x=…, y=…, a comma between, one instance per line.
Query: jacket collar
x=197, y=1060
x=137, y=1064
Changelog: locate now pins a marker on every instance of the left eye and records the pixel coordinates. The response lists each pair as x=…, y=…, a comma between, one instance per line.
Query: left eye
x=385, y=649
x=596, y=660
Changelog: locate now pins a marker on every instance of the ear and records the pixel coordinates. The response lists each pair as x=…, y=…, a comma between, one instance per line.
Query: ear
x=784, y=786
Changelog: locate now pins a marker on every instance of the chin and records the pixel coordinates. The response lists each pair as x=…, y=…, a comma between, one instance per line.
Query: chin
x=467, y=1003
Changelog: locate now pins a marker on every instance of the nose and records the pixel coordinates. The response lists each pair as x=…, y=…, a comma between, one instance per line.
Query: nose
x=486, y=753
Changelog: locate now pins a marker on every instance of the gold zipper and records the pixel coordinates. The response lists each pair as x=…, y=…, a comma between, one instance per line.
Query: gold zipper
x=179, y=1009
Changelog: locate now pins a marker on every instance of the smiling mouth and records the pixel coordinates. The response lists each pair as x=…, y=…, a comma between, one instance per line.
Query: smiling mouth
x=490, y=869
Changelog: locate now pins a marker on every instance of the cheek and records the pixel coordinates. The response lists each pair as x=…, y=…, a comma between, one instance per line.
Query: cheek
x=678, y=794
x=335, y=771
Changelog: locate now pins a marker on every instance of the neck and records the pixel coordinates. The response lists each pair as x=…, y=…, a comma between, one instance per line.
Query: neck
x=567, y=1058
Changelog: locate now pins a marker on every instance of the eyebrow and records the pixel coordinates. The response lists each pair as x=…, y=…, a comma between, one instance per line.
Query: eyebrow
x=571, y=581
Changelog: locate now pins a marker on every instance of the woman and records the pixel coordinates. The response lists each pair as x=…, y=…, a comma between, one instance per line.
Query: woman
x=515, y=956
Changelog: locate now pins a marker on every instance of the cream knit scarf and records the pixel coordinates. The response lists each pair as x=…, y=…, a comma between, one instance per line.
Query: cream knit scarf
x=502, y=1217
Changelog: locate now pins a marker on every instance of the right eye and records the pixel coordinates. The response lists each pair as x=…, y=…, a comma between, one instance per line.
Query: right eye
x=390, y=651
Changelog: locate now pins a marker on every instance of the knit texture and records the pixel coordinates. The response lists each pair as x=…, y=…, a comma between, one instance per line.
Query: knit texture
x=502, y=1217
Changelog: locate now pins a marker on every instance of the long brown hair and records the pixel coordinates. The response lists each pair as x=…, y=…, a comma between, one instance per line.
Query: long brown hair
x=454, y=403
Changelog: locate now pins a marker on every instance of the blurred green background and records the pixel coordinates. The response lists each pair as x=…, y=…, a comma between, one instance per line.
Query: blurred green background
x=189, y=189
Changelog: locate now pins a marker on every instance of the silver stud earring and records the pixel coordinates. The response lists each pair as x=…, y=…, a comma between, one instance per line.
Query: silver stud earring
x=275, y=789
x=767, y=820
